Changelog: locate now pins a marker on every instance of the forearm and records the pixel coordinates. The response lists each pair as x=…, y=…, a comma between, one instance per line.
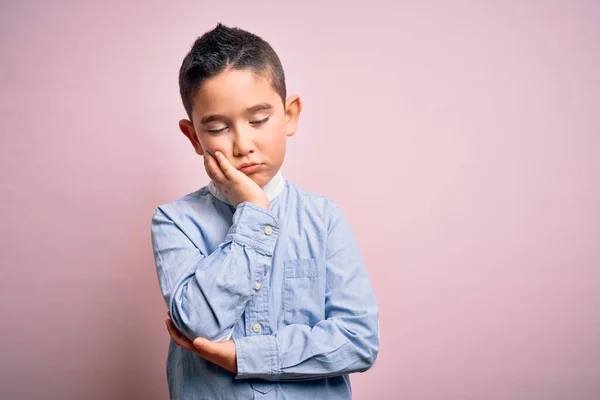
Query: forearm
x=332, y=347
x=206, y=295
x=208, y=301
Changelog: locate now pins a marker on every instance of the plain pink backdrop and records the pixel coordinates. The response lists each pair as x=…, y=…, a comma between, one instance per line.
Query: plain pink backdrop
x=461, y=138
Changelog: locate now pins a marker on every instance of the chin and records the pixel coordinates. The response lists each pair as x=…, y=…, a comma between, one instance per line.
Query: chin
x=260, y=179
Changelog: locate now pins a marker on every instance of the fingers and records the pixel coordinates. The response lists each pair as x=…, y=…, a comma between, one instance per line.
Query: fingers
x=228, y=170
x=222, y=354
x=174, y=332
x=208, y=169
x=218, y=183
x=178, y=337
x=206, y=346
x=214, y=352
x=212, y=169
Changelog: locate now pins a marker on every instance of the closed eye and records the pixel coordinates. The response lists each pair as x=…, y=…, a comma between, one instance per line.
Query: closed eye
x=216, y=130
x=259, y=122
x=262, y=121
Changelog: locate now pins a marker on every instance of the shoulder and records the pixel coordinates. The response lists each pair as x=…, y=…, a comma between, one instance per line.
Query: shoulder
x=312, y=200
x=306, y=195
x=194, y=203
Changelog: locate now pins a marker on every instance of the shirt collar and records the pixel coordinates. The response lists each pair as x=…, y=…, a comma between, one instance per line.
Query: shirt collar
x=271, y=189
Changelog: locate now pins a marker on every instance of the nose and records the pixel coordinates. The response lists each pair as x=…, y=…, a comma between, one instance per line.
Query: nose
x=242, y=144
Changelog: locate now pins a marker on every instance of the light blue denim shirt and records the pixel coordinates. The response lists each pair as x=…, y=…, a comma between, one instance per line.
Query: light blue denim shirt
x=287, y=285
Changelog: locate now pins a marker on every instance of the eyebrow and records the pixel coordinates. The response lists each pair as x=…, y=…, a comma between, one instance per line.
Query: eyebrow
x=259, y=107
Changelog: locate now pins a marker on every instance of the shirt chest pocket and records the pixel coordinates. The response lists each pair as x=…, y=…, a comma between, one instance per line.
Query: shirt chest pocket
x=303, y=291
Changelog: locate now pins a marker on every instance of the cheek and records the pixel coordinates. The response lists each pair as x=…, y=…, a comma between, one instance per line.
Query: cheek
x=276, y=147
x=213, y=144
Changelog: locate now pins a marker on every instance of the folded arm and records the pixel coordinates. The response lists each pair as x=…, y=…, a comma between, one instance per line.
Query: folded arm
x=346, y=341
x=206, y=294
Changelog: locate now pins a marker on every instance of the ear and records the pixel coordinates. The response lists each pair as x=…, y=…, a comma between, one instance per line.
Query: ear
x=187, y=127
x=293, y=107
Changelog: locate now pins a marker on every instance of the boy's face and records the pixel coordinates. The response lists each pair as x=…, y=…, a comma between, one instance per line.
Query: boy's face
x=240, y=114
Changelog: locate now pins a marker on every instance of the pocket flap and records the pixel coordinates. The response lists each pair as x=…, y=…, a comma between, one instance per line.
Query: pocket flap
x=263, y=387
x=300, y=268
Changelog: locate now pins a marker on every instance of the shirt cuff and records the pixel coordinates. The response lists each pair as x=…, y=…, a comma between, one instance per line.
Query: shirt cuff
x=254, y=226
x=257, y=357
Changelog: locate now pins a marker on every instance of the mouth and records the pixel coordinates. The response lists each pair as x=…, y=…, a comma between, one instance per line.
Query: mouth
x=250, y=167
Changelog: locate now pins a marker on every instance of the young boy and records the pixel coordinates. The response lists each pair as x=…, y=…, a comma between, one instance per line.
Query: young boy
x=267, y=293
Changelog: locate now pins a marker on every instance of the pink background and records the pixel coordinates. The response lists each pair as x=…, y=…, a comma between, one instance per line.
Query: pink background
x=461, y=140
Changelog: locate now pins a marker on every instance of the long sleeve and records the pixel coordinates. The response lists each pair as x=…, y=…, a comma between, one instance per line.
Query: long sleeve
x=346, y=341
x=206, y=294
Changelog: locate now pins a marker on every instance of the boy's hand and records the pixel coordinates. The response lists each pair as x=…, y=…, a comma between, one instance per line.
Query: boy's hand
x=234, y=184
x=221, y=353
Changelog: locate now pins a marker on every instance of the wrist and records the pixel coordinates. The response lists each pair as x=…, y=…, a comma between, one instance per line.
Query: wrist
x=264, y=203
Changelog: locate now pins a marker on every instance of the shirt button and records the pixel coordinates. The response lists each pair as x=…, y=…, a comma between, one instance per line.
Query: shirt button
x=268, y=230
x=257, y=286
x=256, y=328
